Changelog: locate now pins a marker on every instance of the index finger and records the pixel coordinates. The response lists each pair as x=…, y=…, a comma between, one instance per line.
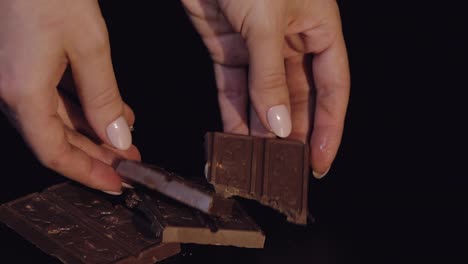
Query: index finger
x=45, y=132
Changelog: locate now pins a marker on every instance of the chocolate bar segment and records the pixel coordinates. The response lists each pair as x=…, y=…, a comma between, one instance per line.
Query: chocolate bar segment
x=113, y=221
x=272, y=171
x=285, y=178
x=57, y=233
x=78, y=225
x=194, y=194
x=234, y=167
x=184, y=224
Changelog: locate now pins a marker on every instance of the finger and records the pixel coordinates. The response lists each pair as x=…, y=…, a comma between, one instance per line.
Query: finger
x=267, y=80
x=132, y=153
x=257, y=129
x=79, y=135
x=45, y=132
x=90, y=60
x=332, y=81
x=129, y=115
x=299, y=82
x=232, y=98
x=73, y=116
x=67, y=89
x=100, y=152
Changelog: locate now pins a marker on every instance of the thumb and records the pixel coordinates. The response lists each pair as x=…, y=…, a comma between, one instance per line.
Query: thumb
x=90, y=60
x=267, y=82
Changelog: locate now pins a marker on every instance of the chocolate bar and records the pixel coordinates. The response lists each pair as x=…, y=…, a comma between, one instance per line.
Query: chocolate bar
x=194, y=194
x=176, y=222
x=272, y=171
x=78, y=225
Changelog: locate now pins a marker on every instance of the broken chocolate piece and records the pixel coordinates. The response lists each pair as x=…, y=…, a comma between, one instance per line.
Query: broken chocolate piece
x=272, y=171
x=189, y=192
x=181, y=223
x=78, y=225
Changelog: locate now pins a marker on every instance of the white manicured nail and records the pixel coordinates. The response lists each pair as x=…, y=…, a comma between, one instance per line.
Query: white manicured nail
x=113, y=193
x=279, y=120
x=119, y=134
x=318, y=175
x=126, y=185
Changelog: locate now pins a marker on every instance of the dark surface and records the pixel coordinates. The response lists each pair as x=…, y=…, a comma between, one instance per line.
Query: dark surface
x=77, y=225
x=273, y=172
x=396, y=193
x=190, y=225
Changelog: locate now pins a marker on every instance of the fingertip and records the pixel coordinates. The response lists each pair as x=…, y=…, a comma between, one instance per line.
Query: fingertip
x=324, y=145
x=118, y=133
x=103, y=177
x=320, y=175
x=115, y=155
x=279, y=120
x=129, y=114
x=133, y=153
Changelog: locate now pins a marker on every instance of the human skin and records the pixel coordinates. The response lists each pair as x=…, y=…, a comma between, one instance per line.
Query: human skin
x=262, y=52
x=293, y=94
x=38, y=40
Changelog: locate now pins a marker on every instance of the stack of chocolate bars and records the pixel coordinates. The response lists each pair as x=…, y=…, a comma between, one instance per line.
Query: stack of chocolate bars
x=147, y=224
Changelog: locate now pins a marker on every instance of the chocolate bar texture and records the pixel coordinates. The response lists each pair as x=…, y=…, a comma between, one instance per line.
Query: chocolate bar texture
x=273, y=171
x=176, y=222
x=199, y=195
x=79, y=225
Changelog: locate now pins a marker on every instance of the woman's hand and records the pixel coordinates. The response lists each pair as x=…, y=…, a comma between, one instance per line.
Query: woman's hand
x=38, y=41
x=289, y=58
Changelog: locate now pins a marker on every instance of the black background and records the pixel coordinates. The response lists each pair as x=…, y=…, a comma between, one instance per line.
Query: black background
x=397, y=192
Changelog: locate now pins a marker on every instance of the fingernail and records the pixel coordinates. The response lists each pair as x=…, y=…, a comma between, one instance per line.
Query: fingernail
x=279, y=120
x=131, y=128
x=320, y=175
x=119, y=134
x=113, y=193
x=126, y=185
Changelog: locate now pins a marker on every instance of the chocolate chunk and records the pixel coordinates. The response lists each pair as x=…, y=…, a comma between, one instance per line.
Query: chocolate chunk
x=194, y=194
x=272, y=171
x=78, y=225
x=184, y=224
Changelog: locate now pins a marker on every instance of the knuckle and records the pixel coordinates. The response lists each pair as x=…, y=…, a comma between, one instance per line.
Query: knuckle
x=319, y=39
x=104, y=99
x=328, y=35
x=231, y=92
x=96, y=45
x=221, y=53
x=325, y=95
x=299, y=97
x=53, y=158
x=333, y=86
x=271, y=82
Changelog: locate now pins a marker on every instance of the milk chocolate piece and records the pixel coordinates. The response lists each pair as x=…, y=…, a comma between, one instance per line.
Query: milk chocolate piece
x=180, y=223
x=272, y=171
x=194, y=194
x=78, y=225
